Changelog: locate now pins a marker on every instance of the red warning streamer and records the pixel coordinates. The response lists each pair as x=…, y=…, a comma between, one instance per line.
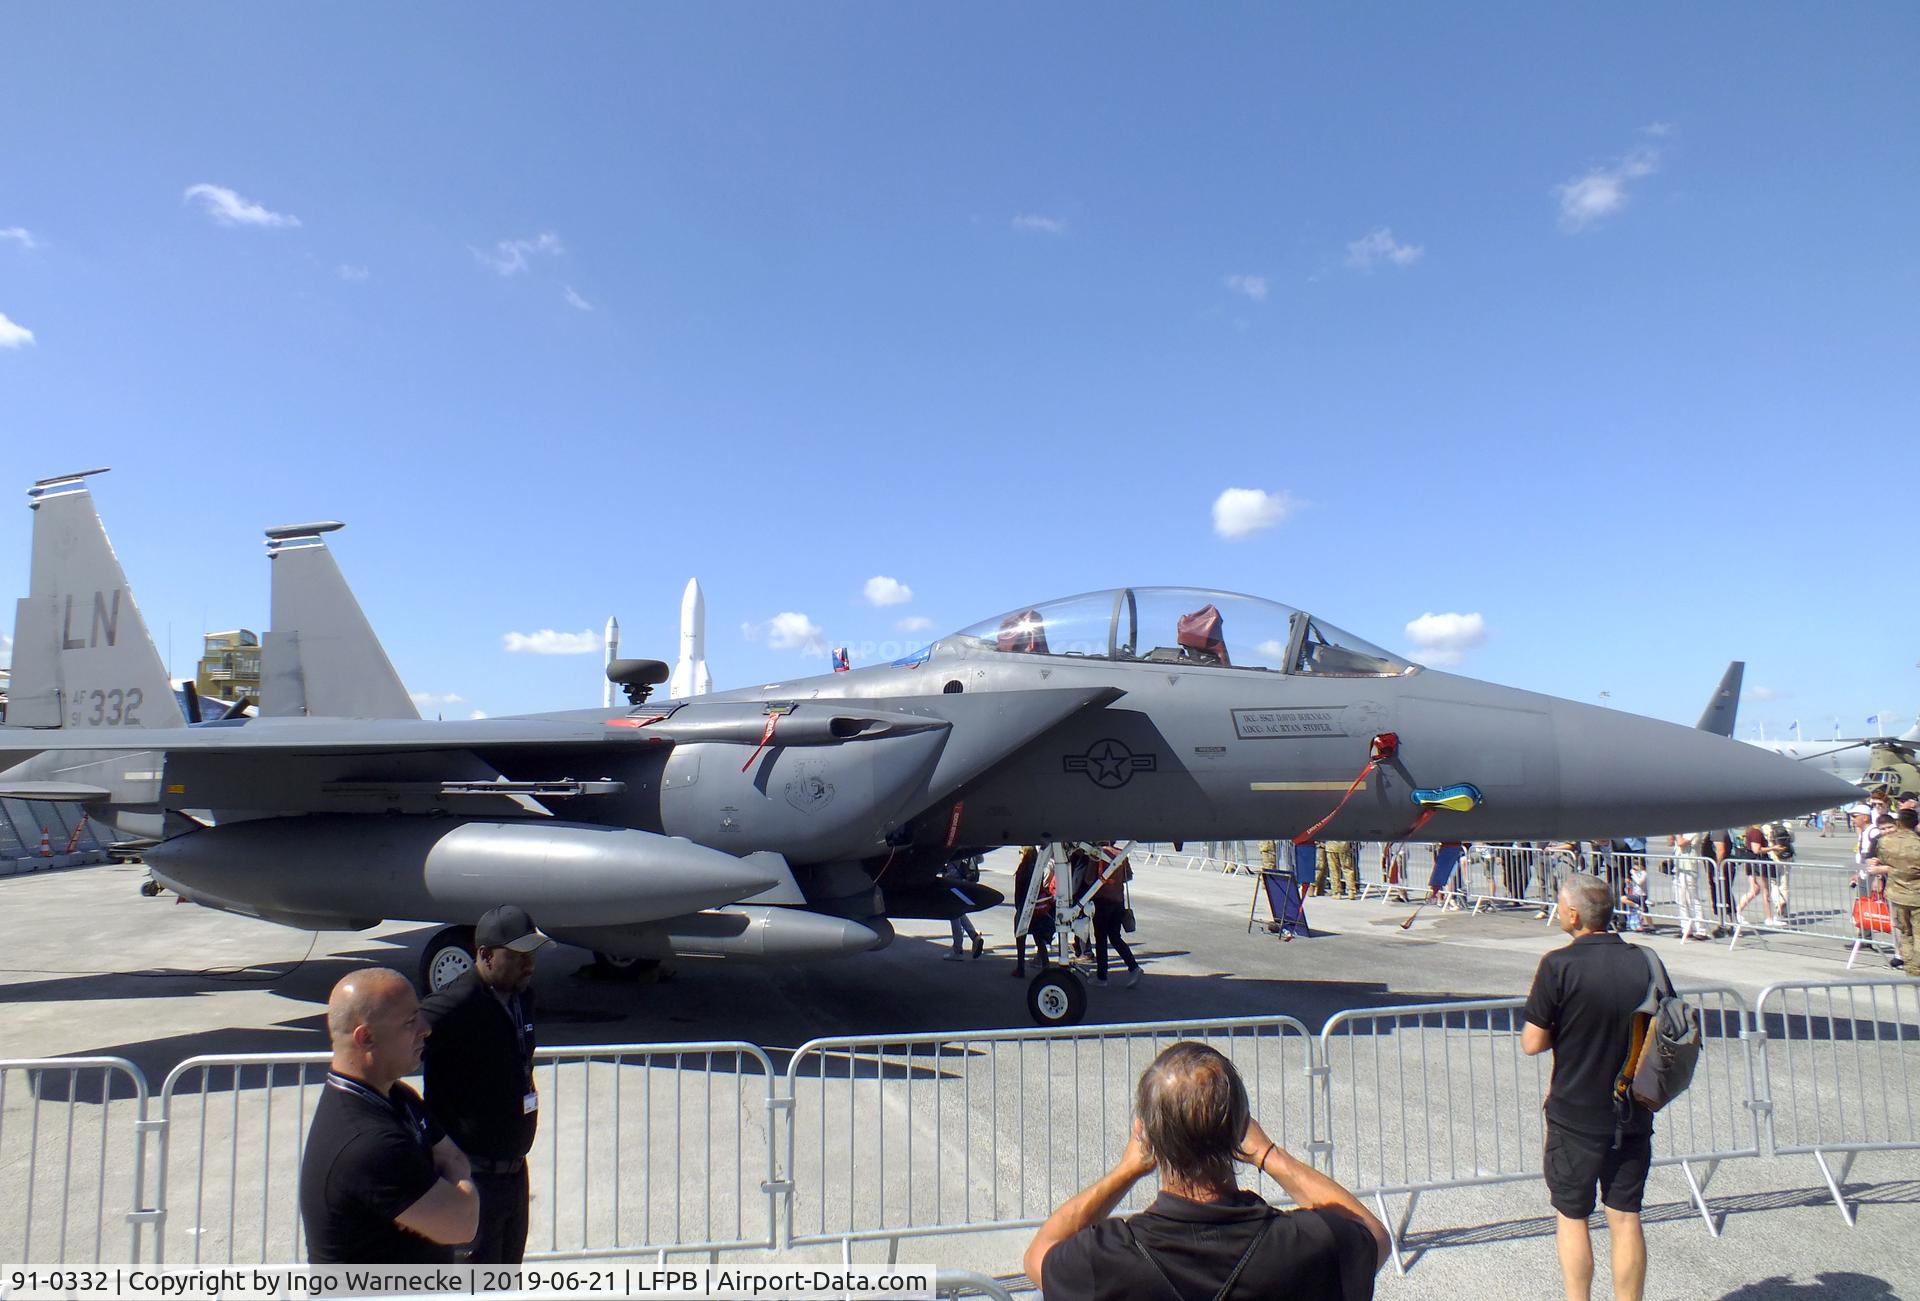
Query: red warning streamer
x=1382, y=749
x=766, y=736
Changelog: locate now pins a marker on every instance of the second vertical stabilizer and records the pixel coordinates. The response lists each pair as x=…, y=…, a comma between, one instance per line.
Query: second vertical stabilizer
x=322, y=658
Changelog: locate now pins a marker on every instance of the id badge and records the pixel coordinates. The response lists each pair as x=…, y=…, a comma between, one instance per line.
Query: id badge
x=530, y=1103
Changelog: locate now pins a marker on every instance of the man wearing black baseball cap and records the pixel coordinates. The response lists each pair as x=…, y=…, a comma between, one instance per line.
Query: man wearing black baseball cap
x=479, y=1075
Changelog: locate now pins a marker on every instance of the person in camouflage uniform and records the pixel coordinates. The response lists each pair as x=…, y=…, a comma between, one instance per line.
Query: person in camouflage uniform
x=1343, y=866
x=1896, y=856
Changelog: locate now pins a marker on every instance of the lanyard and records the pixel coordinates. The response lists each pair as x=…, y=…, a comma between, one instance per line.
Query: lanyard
x=416, y=1124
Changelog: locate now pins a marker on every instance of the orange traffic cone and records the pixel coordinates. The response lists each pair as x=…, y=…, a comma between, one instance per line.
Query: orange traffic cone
x=46, y=844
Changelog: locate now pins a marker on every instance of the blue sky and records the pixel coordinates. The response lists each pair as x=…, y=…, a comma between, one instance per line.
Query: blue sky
x=1597, y=324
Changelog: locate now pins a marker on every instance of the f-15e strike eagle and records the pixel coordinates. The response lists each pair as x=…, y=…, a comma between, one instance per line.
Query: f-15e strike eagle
x=793, y=820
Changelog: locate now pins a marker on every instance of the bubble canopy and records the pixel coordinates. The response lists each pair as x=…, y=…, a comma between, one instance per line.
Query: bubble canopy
x=1183, y=625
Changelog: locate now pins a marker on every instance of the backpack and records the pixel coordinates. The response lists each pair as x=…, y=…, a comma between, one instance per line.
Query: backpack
x=1666, y=1048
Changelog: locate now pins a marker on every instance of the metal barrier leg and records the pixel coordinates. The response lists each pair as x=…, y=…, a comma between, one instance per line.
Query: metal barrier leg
x=1697, y=1188
x=1396, y=1229
x=1393, y=1234
x=1835, y=1185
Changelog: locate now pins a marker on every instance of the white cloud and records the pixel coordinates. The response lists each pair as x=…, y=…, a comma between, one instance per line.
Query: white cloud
x=19, y=235
x=1602, y=192
x=881, y=590
x=788, y=630
x=1254, y=287
x=229, y=209
x=6, y=649
x=1445, y=638
x=1044, y=225
x=1241, y=512
x=1657, y=129
x=1765, y=693
x=549, y=642
x=350, y=271
x=913, y=623
x=1273, y=650
x=13, y=336
x=575, y=300
x=1378, y=246
x=510, y=257
x=478, y=713
x=437, y=699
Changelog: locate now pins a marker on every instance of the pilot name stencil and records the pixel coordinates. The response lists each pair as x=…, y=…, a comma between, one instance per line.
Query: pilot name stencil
x=1109, y=764
x=1269, y=724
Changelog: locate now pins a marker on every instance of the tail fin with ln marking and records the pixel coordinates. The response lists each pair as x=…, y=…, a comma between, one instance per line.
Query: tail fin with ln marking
x=81, y=653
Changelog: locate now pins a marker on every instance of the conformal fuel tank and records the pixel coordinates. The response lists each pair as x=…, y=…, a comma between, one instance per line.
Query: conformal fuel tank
x=356, y=868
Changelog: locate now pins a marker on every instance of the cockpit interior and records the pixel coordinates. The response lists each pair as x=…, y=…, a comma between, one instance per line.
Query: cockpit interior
x=1186, y=626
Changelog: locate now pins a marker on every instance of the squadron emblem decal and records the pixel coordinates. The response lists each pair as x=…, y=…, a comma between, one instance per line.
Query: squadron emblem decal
x=1109, y=764
x=810, y=791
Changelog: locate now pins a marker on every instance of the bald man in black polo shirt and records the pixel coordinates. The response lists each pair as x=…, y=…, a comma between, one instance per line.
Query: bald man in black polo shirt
x=1582, y=1007
x=380, y=1183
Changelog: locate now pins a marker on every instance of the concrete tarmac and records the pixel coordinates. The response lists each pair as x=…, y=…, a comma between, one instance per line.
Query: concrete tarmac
x=92, y=967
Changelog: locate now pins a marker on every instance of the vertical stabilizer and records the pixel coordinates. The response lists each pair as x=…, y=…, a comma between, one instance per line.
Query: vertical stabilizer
x=1719, y=714
x=81, y=653
x=321, y=657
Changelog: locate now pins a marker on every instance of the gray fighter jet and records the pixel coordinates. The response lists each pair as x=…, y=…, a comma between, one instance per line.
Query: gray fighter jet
x=792, y=820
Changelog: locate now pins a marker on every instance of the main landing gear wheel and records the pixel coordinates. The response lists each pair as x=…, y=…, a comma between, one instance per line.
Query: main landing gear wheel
x=1057, y=996
x=448, y=957
x=609, y=966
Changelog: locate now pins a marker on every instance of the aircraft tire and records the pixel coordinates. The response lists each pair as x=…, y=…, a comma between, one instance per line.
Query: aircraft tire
x=1057, y=997
x=448, y=956
x=608, y=966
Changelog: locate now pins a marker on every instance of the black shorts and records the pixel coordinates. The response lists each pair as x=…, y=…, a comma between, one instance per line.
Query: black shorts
x=1576, y=1164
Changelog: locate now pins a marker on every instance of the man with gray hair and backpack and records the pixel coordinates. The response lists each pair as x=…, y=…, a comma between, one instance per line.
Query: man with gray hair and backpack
x=1620, y=1040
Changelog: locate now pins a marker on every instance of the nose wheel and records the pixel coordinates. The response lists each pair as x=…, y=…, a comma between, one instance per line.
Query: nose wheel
x=1057, y=996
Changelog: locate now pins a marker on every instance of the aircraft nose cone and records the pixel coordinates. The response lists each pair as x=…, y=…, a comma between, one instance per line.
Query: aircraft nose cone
x=1660, y=778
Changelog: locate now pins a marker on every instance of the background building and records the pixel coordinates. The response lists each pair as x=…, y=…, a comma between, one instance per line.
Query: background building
x=230, y=666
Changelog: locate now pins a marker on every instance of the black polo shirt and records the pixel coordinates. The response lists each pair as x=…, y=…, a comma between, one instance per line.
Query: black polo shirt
x=1302, y=1254
x=1585, y=996
x=367, y=1160
x=478, y=1068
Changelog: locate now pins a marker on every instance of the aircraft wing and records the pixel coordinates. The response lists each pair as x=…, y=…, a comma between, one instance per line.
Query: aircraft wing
x=991, y=727
x=265, y=737
x=53, y=792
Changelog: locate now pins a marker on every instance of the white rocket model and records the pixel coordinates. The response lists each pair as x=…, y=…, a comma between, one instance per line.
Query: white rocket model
x=613, y=653
x=690, y=671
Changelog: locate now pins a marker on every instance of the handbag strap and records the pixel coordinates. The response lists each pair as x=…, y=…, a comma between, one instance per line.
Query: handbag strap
x=1234, y=1277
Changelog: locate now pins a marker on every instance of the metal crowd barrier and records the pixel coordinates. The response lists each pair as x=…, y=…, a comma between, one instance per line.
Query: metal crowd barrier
x=79, y=1121
x=1842, y=1071
x=1450, y=1100
x=1228, y=864
x=897, y=1136
x=705, y=1148
x=607, y=1171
